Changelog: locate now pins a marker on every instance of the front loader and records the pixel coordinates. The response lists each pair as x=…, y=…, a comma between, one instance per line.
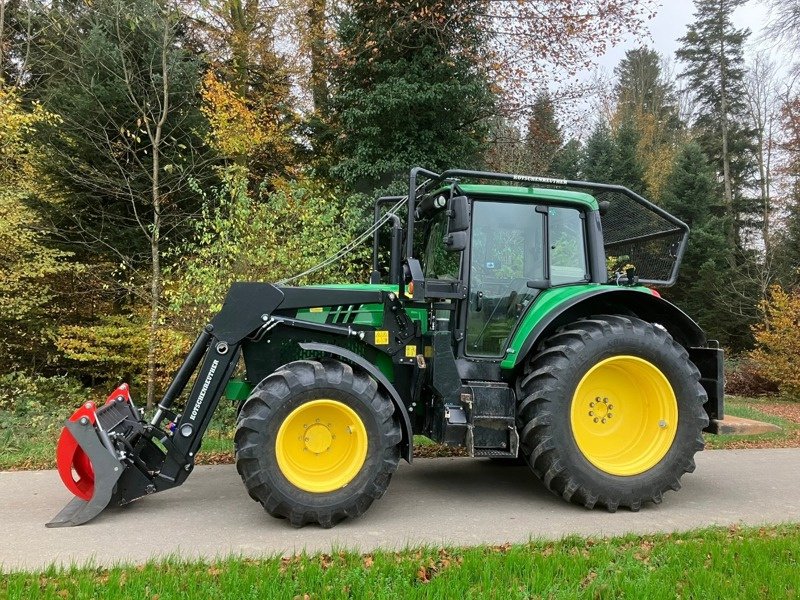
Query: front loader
x=517, y=319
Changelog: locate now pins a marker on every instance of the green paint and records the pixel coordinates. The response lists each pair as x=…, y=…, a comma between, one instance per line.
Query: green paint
x=367, y=315
x=238, y=390
x=530, y=193
x=370, y=315
x=548, y=301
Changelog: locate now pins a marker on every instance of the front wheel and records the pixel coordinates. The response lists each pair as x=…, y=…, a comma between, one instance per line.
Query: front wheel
x=316, y=442
x=611, y=412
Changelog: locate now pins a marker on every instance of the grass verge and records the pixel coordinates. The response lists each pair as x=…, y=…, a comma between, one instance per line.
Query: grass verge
x=784, y=414
x=28, y=442
x=709, y=563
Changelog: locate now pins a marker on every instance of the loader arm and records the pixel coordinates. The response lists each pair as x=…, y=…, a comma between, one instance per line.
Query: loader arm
x=118, y=457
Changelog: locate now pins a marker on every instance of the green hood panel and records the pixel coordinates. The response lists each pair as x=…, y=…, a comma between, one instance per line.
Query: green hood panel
x=370, y=315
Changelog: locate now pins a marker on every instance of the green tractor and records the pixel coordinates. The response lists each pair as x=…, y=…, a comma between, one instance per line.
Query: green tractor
x=515, y=319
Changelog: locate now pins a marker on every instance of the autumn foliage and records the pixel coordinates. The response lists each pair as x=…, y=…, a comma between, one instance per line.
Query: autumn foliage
x=777, y=354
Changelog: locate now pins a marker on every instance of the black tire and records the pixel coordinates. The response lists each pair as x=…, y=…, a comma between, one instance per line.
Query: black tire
x=273, y=400
x=548, y=384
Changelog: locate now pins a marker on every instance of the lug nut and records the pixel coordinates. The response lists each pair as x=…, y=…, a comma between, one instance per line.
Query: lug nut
x=596, y=420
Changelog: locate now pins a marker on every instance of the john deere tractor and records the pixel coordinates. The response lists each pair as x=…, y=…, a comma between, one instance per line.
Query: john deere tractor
x=512, y=316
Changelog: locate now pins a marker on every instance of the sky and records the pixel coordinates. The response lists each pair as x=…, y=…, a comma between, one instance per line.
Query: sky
x=670, y=24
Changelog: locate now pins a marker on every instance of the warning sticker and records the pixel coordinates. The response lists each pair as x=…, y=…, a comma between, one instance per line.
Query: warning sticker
x=411, y=351
x=381, y=338
x=315, y=309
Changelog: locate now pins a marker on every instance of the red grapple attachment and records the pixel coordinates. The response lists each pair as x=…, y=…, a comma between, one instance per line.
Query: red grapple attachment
x=87, y=462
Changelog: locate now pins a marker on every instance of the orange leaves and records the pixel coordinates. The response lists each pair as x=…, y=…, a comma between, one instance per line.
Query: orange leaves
x=777, y=352
x=234, y=127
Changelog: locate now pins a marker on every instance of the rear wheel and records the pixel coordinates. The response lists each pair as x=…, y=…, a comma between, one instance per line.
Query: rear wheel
x=611, y=412
x=317, y=442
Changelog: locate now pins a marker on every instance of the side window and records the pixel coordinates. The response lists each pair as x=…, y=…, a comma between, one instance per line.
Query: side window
x=438, y=262
x=567, y=246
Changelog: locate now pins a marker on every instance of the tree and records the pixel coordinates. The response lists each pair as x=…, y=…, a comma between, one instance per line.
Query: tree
x=249, y=80
x=760, y=95
x=543, y=138
x=568, y=160
x=646, y=102
x=642, y=89
x=128, y=142
x=778, y=347
x=599, y=160
x=712, y=51
x=627, y=167
x=29, y=264
x=717, y=290
x=404, y=94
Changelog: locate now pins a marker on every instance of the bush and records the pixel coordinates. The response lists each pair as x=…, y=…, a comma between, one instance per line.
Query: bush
x=24, y=394
x=777, y=353
x=743, y=377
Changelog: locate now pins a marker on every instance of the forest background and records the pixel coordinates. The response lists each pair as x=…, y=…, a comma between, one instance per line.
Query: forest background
x=154, y=151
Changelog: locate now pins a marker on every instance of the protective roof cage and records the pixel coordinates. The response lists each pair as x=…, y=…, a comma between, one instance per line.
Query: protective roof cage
x=636, y=232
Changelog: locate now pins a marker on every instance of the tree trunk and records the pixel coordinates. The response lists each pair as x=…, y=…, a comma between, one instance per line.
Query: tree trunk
x=317, y=44
x=726, y=159
x=155, y=277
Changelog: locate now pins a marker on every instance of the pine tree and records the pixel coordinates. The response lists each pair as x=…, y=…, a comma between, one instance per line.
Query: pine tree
x=710, y=286
x=599, y=160
x=627, y=165
x=641, y=89
x=543, y=138
x=712, y=51
x=646, y=101
x=406, y=94
x=568, y=161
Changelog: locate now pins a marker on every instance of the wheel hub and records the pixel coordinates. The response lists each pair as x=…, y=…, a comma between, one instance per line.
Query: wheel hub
x=624, y=415
x=318, y=438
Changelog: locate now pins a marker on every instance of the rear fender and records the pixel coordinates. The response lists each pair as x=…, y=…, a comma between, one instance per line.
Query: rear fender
x=614, y=301
x=407, y=444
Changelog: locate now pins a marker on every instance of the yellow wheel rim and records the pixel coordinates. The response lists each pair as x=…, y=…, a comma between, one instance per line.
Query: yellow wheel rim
x=321, y=446
x=624, y=415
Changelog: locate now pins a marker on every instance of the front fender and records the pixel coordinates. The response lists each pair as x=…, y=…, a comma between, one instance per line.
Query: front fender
x=407, y=444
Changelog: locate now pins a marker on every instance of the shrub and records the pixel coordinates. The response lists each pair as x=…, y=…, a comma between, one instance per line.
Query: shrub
x=743, y=377
x=23, y=394
x=777, y=353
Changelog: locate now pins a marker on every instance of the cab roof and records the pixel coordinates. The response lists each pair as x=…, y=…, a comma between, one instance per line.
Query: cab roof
x=517, y=192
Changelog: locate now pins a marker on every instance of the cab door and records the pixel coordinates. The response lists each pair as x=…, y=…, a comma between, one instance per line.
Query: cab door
x=507, y=260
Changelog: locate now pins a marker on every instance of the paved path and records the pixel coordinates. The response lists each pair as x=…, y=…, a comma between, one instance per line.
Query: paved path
x=434, y=501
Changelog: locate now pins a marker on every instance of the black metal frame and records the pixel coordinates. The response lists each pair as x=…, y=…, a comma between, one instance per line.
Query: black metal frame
x=435, y=180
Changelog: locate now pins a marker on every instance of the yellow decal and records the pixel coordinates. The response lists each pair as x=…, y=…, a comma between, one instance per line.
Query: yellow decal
x=315, y=309
x=428, y=351
x=381, y=338
x=411, y=351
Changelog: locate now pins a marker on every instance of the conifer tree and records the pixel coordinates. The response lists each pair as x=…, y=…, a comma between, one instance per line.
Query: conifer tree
x=543, y=138
x=712, y=51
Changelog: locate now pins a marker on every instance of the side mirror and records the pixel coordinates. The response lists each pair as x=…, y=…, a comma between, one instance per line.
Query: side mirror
x=458, y=214
x=456, y=241
x=539, y=284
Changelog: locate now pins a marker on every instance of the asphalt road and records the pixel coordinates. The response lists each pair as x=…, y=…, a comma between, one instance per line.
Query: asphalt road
x=435, y=501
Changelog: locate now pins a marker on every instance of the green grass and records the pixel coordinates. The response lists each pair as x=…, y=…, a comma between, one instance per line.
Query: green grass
x=709, y=563
x=738, y=406
x=28, y=441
